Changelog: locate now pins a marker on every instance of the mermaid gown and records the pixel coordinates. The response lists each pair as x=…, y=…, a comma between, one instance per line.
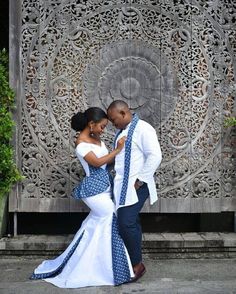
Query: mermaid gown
x=97, y=255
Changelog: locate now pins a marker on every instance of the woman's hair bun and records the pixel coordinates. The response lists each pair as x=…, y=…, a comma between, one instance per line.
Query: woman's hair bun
x=81, y=119
x=78, y=121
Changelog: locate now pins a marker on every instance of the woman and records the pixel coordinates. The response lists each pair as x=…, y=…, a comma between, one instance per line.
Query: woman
x=97, y=255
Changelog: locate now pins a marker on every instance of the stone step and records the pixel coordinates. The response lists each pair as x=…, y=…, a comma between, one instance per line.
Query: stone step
x=155, y=245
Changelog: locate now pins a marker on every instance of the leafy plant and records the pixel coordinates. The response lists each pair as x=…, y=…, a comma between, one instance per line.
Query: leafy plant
x=9, y=174
x=230, y=122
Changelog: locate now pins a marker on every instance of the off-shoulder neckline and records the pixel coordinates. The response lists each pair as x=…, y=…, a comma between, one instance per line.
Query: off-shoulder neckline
x=99, y=145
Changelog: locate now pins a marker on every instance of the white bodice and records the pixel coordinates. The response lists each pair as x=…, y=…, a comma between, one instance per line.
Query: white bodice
x=84, y=148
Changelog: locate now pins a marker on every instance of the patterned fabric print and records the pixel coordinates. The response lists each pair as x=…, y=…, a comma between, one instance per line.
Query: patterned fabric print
x=128, y=144
x=98, y=181
x=120, y=264
x=60, y=268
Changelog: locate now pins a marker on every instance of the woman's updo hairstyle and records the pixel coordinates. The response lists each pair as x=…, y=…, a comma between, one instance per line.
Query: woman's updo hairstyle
x=80, y=120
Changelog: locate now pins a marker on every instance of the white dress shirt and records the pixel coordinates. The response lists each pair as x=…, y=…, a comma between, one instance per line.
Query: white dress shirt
x=145, y=159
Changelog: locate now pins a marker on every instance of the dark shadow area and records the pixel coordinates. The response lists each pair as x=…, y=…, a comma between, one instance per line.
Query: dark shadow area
x=4, y=24
x=69, y=223
x=47, y=223
x=188, y=222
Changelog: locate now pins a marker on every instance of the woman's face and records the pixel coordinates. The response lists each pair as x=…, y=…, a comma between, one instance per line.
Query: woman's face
x=98, y=128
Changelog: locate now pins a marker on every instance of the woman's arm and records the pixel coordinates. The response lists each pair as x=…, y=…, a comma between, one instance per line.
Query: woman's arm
x=93, y=160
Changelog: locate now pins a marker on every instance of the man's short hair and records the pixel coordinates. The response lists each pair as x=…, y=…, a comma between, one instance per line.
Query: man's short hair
x=118, y=104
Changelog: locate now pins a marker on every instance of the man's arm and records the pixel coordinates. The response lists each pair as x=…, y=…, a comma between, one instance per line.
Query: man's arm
x=151, y=149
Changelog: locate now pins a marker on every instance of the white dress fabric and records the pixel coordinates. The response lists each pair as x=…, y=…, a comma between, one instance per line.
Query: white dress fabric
x=97, y=255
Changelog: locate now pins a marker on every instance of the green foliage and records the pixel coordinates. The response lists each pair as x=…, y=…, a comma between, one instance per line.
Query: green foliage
x=9, y=173
x=230, y=122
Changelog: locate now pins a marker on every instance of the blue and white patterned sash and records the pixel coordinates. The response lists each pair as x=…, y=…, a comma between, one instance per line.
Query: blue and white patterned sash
x=120, y=266
x=128, y=145
x=97, y=182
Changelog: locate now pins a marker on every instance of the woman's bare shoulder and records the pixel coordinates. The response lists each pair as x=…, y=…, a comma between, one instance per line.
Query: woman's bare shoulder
x=82, y=139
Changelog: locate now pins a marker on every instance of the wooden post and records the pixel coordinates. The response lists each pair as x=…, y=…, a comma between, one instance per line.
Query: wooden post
x=15, y=224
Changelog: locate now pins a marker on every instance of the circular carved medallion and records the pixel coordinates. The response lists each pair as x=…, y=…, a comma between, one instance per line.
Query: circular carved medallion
x=136, y=73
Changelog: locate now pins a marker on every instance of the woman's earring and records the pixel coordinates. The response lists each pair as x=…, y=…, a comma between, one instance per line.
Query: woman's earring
x=91, y=130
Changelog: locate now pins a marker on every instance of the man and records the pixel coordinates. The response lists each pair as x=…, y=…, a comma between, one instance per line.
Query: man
x=135, y=166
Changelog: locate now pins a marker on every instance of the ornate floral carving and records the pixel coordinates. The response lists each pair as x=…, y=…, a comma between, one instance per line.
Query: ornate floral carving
x=172, y=62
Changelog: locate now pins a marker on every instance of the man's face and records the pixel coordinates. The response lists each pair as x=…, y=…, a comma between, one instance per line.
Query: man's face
x=117, y=118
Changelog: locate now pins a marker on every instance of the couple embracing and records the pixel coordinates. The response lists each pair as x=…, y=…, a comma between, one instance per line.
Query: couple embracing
x=107, y=248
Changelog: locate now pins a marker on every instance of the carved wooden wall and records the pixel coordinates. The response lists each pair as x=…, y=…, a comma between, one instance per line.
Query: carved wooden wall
x=173, y=62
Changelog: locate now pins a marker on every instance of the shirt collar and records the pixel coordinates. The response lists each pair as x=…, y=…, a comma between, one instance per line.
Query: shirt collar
x=128, y=125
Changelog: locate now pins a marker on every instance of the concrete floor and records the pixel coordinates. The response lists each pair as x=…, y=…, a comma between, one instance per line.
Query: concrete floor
x=163, y=276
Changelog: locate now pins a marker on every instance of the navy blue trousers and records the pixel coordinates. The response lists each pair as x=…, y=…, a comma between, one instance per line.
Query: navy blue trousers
x=130, y=227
